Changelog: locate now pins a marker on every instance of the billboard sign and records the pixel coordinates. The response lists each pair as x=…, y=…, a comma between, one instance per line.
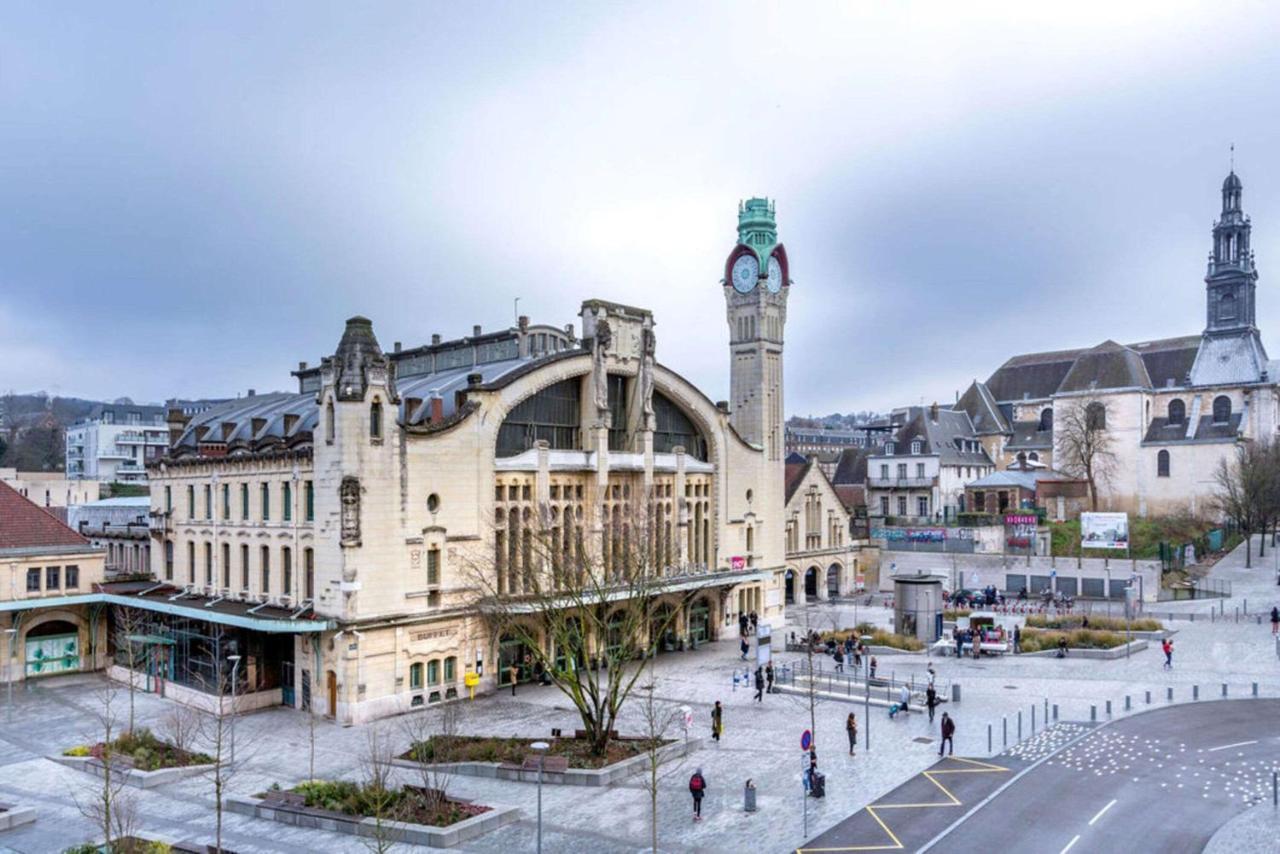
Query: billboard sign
x=1104, y=530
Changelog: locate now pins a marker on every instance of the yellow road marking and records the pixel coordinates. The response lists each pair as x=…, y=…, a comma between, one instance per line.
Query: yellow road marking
x=952, y=801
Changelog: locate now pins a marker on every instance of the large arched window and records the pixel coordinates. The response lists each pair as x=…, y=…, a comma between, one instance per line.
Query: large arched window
x=1177, y=412
x=1221, y=409
x=1162, y=464
x=552, y=414
x=1095, y=416
x=1046, y=420
x=674, y=428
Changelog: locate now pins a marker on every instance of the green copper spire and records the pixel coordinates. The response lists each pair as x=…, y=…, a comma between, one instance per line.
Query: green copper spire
x=757, y=227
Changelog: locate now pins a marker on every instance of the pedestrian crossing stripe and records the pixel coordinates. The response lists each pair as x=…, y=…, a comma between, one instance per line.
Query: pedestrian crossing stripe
x=895, y=844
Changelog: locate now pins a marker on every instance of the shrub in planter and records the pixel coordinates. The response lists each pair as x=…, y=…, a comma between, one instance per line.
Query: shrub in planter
x=1105, y=623
x=78, y=750
x=1037, y=640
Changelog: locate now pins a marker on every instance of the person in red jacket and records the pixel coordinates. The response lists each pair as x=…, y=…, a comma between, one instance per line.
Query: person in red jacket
x=697, y=788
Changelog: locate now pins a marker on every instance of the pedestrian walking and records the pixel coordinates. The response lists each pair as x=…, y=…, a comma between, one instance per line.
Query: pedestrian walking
x=873, y=667
x=1017, y=639
x=755, y=621
x=904, y=698
x=851, y=727
x=948, y=733
x=759, y=685
x=1275, y=620
x=697, y=788
x=813, y=769
x=931, y=700
x=857, y=655
x=959, y=636
x=1167, y=647
x=514, y=670
x=838, y=657
x=933, y=674
x=717, y=721
x=768, y=677
x=745, y=648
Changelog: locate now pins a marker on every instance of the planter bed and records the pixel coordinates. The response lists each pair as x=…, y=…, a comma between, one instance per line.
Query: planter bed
x=290, y=808
x=12, y=816
x=132, y=776
x=558, y=773
x=1114, y=652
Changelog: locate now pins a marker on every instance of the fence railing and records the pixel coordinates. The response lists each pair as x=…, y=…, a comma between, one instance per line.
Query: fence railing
x=854, y=681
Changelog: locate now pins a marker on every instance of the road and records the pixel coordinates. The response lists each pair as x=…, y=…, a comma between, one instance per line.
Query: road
x=1160, y=781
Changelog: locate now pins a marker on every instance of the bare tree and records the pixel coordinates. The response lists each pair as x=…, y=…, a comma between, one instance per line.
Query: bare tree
x=380, y=796
x=108, y=804
x=1248, y=487
x=659, y=717
x=1084, y=447
x=179, y=725
x=438, y=734
x=585, y=608
x=128, y=624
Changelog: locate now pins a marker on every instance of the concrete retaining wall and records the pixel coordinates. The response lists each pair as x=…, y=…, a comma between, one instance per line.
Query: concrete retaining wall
x=399, y=831
x=198, y=699
x=132, y=776
x=1117, y=652
x=12, y=816
x=981, y=570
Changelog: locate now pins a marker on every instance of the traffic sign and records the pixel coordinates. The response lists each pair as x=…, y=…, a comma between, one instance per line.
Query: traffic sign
x=806, y=740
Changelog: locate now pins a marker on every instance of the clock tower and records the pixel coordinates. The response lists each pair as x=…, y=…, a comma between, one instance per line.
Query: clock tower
x=756, y=282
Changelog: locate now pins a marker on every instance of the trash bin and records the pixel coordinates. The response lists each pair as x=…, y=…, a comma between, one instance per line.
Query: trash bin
x=749, y=797
x=818, y=784
x=955, y=692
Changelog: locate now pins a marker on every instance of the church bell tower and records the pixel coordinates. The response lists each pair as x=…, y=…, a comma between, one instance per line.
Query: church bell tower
x=1231, y=279
x=756, y=282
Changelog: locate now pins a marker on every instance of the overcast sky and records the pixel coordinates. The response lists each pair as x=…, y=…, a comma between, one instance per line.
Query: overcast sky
x=193, y=197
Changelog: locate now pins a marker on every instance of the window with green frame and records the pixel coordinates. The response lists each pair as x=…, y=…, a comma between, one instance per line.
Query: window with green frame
x=244, y=502
x=415, y=676
x=266, y=502
x=433, y=672
x=286, y=501
x=451, y=669
x=226, y=502
x=191, y=501
x=309, y=492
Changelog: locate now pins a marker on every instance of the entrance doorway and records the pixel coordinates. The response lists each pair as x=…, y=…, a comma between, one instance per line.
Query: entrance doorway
x=331, y=689
x=811, y=583
x=833, y=581
x=700, y=621
x=52, y=648
x=791, y=587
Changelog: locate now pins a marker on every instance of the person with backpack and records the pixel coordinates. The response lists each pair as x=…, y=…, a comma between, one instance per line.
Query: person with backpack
x=948, y=733
x=697, y=788
x=759, y=685
x=717, y=721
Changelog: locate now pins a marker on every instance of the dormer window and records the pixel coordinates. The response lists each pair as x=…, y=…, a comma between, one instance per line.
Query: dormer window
x=888, y=449
x=917, y=446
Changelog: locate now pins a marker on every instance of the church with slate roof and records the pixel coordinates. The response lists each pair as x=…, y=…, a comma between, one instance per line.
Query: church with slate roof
x=1172, y=408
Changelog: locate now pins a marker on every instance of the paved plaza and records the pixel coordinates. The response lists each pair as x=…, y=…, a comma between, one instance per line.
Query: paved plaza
x=761, y=742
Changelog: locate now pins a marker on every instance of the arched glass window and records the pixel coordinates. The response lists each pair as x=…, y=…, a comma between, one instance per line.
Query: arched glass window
x=375, y=420
x=1046, y=420
x=672, y=427
x=1095, y=416
x=1177, y=412
x=1162, y=464
x=415, y=676
x=1022, y=458
x=1221, y=409
x=1034, y=457
x=552, y=414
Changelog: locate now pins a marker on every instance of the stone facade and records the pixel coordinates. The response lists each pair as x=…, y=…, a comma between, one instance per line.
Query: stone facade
x=823, y=558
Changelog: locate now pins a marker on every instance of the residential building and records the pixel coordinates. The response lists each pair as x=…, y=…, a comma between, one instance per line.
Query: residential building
x=50, y=489
x=824, y=558
x=1061, y=496
x=116, y=442
x=48, y=574
x=362, y=516
x=121, y=527
x=1170, y=410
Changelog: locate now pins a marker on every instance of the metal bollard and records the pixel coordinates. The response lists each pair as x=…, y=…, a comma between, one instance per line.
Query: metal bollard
x=1033, y=718
x=1275, y=800
x=1148, y=698
x=1093, y=714
x=1108, y=708
x=989, y=738
x=1126, y=702
x=1224, y=689
x=1004, y=731
x=1046, y=711
x=1170, y=695
x=1193, y=616
x=955, y=692
x=1019, y=726
x=1195, y=692
x=1055, y=711
x=1255, y=689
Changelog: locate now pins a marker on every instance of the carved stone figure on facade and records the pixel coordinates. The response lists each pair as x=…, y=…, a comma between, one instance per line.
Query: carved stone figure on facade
x=349, y=495
x=599, y=371
x=646, y=377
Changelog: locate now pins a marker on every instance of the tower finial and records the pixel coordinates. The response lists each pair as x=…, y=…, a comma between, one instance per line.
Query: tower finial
x=1233, y=157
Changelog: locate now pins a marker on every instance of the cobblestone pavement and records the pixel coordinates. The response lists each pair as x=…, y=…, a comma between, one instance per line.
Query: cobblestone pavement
x=761, y=742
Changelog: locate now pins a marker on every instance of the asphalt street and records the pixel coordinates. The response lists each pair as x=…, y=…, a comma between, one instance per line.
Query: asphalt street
x=1160, y=781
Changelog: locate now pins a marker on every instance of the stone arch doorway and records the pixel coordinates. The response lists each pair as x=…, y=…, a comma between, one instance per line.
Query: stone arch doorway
x=833, y=580
x=790, y=585
x=811, y=583
x=51, y=647
x=700, y=621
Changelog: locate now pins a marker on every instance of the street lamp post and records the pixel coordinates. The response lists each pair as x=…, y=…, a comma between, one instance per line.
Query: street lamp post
x=541, y=748
x=8, y=670
x=235, y=665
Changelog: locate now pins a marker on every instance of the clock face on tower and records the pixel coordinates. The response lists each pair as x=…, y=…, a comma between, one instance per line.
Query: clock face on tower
x=775, y=275
x=745, y=272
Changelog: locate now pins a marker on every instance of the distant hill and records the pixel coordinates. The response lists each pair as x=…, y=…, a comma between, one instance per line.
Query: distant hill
x=835, y=420
x=32, y=427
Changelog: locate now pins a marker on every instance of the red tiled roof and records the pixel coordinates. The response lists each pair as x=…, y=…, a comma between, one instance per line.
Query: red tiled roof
x=26, y=525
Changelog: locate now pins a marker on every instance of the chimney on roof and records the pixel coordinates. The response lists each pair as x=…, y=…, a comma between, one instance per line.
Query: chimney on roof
x=437, y=409
x=474, y=380
x=568, y=330
x=435, y=338
x=933, y=412
x=302, y=366
x=177, y=423
x=475, y=331
x=396, y=346
x=252, y=392
x=522, y=322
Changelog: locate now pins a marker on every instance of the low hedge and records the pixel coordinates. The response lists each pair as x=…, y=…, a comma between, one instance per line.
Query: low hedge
x=1076, y=621
x=879, y=637
x=1038, y=640
x=953, y=614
